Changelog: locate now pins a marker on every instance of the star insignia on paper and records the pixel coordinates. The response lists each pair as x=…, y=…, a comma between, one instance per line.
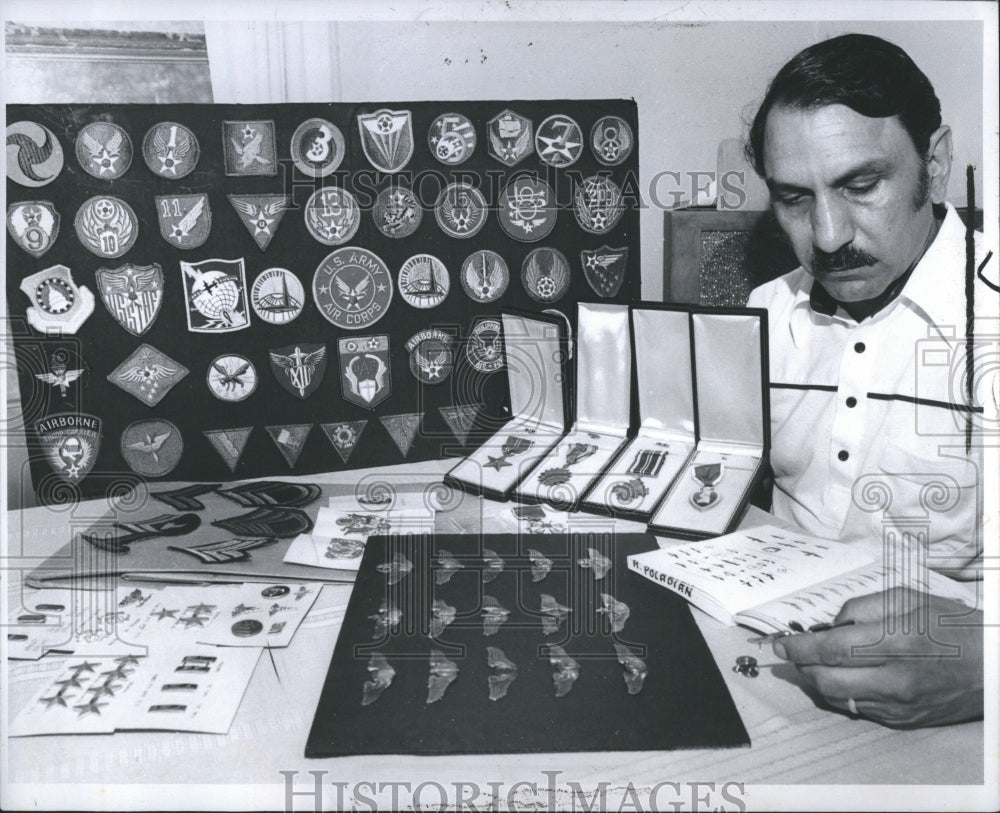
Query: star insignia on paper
x=99, y=691
x=73, y=681
x=497, y=462
x=93, y=707
x=127, y=660
x=86, y=666
x=202, y=608
x=164, y=613
x=57, y=700
x=194, y=620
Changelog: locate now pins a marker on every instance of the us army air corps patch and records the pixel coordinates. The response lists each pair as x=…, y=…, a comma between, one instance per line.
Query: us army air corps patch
x=424, y=281
x=484, y=276
x=277, y=296
x=104, y=150
x=387, y=138
x=510, y=137
x=290, y=440
x=317, y=147
x=460, y=210
x=611, y=140
x=332, y=215
x=397, y=212
x=34, y=155
x=344, y=436
x=231, y=378
x=132, y=294
x=147, y=374
x=299, y=367
x=248, y=147
x=364, y=370
x=229, y=443
x=261, y=214
x=545, y=274
x=452, y=138
x=460, y=419
x=431, y=356
x=57, y=303
x=34, y=225
x=216, y=295
x=170, y=150
x=598, y=204
x=71, y=442
x=527, y=209
x=402, y=429
x=559, y=141
x=152, y=448
x=185, y=220
x=604, y=269
x=352, y=288
x=106, y=226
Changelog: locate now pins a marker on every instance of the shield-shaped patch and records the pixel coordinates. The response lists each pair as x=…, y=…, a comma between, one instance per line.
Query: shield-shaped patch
x=71, y=442
x=185, y=220
x=34, y=225
x=604, y=269
x=364, y=370
x=132, y=294
x=387, y=138
x=299, y=367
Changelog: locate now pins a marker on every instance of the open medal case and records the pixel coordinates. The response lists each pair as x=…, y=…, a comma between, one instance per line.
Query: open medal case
x=535, y=354
x=603, y=396
x=664, y=375
x=732, y=425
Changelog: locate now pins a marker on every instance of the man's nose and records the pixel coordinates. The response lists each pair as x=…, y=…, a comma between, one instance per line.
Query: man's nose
x=831, y=223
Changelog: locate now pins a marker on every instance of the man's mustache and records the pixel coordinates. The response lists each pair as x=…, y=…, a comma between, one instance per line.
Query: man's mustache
x=843, y=259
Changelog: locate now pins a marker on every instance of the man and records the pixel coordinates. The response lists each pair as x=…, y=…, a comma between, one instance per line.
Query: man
x=874, y=436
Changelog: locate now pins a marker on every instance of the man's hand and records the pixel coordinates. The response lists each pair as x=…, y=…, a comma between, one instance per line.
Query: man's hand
x=908, y=659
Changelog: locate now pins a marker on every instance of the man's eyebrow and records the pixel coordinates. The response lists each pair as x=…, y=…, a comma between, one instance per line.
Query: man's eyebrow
x=875, y=166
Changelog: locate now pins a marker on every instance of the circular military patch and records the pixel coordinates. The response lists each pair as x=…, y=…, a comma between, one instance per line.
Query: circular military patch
x=452, y=138
x=54, y=295
x=231, y=378
x=34, y=155
x=332, y=215
x=317, y=147
x=352, y=288
x=247, y=628
x=431, y=357
x=527, y=209
x=598, y=204
x=545, y=274
x=559, y=141
x=106, y=226
x=170, y=150
x=611, y=140
x=424, y=281
x=460, y=210
x=277, y=296
x=484, y=348
x=152, y=448
x=397, y=212
x=104, y=150
x=276, y=591
x=484, y=276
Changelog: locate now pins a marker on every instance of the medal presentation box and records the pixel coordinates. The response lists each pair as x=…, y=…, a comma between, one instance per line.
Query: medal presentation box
x=603, y=398
x=732, y=384
x=535, y=350
x=664, y=374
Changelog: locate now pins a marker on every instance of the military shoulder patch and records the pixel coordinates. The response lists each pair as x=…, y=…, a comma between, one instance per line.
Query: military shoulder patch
x=461, y=210
x=598, y=204
x=34, y=155
x=365, y=377
x=484, y=276
x=402, y=429
x=106, y=226
x=152, y=448
x=545, y=274
x=460, y=419
x=604, y=269
x=65, y=368
x=272, y=492
x=317, y=147
x=34, y=225
x=57, y=303
x=484, y=347
x=611, y=140
x=431, y=356
x=344, y=436
x=170, y=150
x=332, y=215
x=277, y=296
x=510, y=137
x=424, y=281
x=299, y=367
x=278, y=521
x=229, y=443
x=352, y=288
x=559, y=141
x=185, y=220
x=231, y=378
x=228, y=550
x=290, y=440
x=397, y=212
x=132, y=294
x=452, y=138
x=71, y=442
x=215, y=292
x=387, y=138
x=186, y=497
x=261, y=214
x=527, y=209
x=147, y=374
x=104, y=150
x=249, y=148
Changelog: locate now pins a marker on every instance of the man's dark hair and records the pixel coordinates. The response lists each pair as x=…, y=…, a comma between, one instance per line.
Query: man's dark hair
x=871, y=76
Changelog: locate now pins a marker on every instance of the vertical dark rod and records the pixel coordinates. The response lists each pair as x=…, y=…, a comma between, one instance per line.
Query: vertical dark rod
x=970, y=277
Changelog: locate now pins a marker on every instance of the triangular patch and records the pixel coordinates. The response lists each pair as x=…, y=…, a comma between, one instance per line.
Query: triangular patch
x=261, y=214
x=229, y=443
x=460, y=419
x=290, y=439
x=402, y=428
x=344, y=436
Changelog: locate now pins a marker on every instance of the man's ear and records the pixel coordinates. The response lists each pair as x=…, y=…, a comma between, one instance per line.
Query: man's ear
x=939, y=162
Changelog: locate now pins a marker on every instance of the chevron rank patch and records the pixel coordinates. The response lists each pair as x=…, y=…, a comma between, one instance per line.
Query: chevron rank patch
x=344, y=436
x=277, y=521
x=231, y=378
x=559, y=141
x=332, y=215
x=132, y=294
x=460, y=419
x=261, y=214
x=452, y=138
x=290, y=440
x=57, y=303
x=71, y=442
x=277, y=296
x=527, y=209
x=34, y=225
x=299, y=367
x=272, y=492
x=431, y=356
x=604, y=269
x=387, y=138
x=185, y=220
x=226, y=550
x=170, y=150
x=65, y=370
x=215, y=292
x=424, y=281
x=34, y=155
x=186, y=497
x=545, y=274
x=104, y=150
x=460, y=210
x=510, y=137
x=611, y=140
x=152, y=448
x=248, y=147
x=598, y=204
x=106, y=226
x=147, y=374
x=402, y=429
x=397, y=212
x=484, y=276
x=365, y=377
x=484, y=347
x=229, y=443
x=317, y=147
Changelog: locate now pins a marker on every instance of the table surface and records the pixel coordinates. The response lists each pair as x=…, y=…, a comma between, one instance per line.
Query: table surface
x=795, y=741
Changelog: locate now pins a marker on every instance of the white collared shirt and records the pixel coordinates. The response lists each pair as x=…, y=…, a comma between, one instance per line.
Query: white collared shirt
x=868, y=421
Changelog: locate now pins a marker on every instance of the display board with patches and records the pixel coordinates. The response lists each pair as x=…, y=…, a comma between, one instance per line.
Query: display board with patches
x=218, y=291
x=509, y=643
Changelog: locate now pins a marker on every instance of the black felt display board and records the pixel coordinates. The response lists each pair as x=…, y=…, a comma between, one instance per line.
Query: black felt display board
x=684, y=702
x=101, y=344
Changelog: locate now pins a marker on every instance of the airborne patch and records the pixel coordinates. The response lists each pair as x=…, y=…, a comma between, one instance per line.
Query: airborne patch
x=277, y=296
x=249, y=148
x=424, y=281
x=559, y=141
x=290, y=440
x=611, y=140
x=452, y=138
x=215, y=292
x=34, y=155
x=317, y=147
x=402, y=429
x=397, y=212
x=460, y=419
x=527, y=209
x=545, y=274
x=598, y=204
x=460, y=210
x=604, y=269
x=229, y=443
x=132, y=294
x=387, y=138
x=106, y=226
x=364, y=370
x=332, y=215
x=147, y=374
x=261, y=214
x=170, y=150
x=34, y=225
x=185, y=220
x=299, y=367
x=57, y=303
x=71, y=442
x=344, y=436
x=485, y=276
x=510, y=137
x=152, y=448
x=431, y=356
x=231, y=378
x=104, y=150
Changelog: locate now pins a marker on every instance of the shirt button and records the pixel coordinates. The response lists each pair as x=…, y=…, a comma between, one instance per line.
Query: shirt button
x=842, y=455
x=852, y=402
x=859, y=347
